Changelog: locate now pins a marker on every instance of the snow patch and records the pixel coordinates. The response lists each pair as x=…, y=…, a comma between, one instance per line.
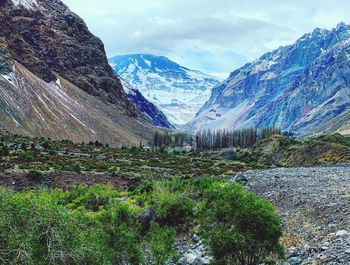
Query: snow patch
x=131, y=68
x=58, y=82
x=9, y=78
x=148, y=63
x=28, y=4
x=268, y=75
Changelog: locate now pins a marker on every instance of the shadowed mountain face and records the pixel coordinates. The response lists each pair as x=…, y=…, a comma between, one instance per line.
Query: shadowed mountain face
x=300, y=87
x=45, y=49
x=179, y=92
x=151, y=111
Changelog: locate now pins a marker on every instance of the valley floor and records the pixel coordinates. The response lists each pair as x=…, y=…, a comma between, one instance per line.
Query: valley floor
x=313, y=204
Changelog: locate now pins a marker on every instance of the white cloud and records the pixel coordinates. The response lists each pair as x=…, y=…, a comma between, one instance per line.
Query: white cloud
x=213, y=36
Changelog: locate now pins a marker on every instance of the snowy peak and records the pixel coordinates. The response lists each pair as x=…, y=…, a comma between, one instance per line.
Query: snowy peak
x=178, y=91
x=144, y=61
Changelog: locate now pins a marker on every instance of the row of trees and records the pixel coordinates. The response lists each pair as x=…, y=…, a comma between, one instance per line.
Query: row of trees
x=216, y=139
x=245, y=137
x=167, y=140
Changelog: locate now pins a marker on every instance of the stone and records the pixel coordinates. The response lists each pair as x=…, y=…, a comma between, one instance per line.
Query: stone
x=191, y=258
x=146, y=217
x=240, y=178
x=292, y=261
x=341, y=233
x=292, y=252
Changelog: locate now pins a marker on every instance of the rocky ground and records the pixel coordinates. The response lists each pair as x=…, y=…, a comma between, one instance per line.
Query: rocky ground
x=314, y=205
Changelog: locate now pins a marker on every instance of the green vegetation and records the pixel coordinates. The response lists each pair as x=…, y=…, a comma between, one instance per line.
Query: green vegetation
x=49, y=156
x=82, y=226
x=334, y=138
x=240, y=228
x=95, y=223
x=99, y=225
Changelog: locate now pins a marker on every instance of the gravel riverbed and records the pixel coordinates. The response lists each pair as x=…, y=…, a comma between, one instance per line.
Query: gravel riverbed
x=314, y=206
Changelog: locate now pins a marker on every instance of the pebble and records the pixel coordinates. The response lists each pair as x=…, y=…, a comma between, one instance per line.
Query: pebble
x=341, y=233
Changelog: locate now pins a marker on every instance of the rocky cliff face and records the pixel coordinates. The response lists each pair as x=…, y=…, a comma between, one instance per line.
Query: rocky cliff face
x=299, y=87
x=179, y=92
x=48, y=42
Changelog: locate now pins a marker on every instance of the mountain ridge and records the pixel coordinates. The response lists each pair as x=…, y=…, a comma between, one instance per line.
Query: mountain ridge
x=284, y=87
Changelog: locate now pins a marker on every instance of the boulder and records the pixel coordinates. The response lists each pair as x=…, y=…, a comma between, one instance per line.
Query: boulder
x=146, y=217
x=240, y=178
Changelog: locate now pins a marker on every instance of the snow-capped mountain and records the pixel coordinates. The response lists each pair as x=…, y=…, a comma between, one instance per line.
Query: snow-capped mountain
x=178, y=91
x=300, y=87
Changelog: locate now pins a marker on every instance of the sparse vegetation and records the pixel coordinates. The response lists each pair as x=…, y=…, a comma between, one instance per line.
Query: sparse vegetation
x=172, y=182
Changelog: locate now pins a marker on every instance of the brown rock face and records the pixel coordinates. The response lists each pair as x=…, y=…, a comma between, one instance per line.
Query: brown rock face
x=47, y=37
x=55, y=80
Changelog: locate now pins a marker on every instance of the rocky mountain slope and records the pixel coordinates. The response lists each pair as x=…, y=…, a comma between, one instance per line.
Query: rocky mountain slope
x=152, y=112
x=178, y=91
x=299, y=87
x=56, y=81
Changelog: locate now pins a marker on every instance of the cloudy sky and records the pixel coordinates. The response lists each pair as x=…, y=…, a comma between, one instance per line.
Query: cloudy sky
x=215, y=36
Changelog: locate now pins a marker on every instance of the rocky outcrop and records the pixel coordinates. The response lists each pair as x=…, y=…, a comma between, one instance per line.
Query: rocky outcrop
x=298, y=87
x=47, y=50
x=47, y=37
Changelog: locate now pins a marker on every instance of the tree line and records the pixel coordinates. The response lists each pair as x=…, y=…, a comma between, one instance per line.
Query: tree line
x=245, y=137
x=216, y=139
x=162, y=140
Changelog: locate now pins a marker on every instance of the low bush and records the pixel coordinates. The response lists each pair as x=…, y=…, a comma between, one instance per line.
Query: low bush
x=35, y=175
x=173, y=201
x=239, y=227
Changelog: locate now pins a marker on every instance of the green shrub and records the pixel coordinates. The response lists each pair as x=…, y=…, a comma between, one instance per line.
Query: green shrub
x=239, y=227
x=91, y=198
x=29, y=158
x=201, y=184
x=161, y=242
x=173, y=203
x=37, y=227
x=35, y=230
x=52, y=152
x=46, y=145
x=35, y=175
x=119, y=235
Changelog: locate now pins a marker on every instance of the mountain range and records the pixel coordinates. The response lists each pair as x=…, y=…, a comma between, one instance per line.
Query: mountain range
x=179, y=92
x=56, y=81
x=303, y=88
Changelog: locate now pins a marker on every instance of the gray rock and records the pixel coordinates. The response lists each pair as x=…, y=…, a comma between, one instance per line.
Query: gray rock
x=341, y=233
x=292, y=261
x=292, y=252
x=240, y=178
x=146, y=217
